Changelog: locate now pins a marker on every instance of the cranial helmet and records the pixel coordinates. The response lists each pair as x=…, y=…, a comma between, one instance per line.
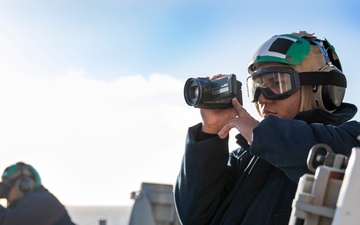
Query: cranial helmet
x=321, y=79
x=24, y=176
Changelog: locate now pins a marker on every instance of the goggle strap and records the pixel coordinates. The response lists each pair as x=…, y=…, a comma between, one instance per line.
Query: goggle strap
x=332, y=77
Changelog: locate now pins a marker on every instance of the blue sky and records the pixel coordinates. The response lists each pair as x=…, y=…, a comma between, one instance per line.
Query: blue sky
x=91, y=91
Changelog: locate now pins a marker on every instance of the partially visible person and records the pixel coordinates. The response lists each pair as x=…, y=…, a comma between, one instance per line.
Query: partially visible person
x=29, y=202
x=297, y=85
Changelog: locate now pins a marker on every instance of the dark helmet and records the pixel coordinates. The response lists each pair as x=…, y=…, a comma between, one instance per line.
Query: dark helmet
x=23, y=175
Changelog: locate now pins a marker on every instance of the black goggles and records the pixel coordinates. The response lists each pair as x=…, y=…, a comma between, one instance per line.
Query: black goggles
x=274, y=83
x=277, y=83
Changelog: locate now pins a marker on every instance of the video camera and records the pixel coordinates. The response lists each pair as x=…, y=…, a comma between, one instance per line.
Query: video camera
x=216, y=93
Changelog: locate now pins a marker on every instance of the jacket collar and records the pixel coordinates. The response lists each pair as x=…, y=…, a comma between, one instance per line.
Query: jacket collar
x=343, y=113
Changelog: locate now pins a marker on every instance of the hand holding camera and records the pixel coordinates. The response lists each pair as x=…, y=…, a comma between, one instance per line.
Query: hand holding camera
x=214, y=98
x=220, y=111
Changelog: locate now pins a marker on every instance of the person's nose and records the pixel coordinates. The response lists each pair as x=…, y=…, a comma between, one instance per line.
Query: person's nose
x=262, y=99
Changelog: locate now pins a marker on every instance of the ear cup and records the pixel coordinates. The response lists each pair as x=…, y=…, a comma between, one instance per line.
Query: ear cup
x=25, y=184
x=331, y=95
x=328, y=97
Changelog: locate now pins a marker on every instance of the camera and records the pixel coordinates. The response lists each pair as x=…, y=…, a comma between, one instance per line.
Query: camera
x=216, y=93
x=5, y=187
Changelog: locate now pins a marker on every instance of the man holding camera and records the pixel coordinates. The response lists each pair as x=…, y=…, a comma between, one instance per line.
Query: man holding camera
x=297, y=85
x=29, y=203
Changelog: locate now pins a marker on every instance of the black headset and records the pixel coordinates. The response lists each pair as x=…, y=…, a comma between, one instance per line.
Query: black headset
x=332, y=94
x=24, y=183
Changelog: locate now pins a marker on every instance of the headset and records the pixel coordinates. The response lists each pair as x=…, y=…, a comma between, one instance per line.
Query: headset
x=24, y=183
x=328, y=96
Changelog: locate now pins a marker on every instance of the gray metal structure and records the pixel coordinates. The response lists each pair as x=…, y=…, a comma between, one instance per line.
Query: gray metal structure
x=332, y=195
x=154, y=205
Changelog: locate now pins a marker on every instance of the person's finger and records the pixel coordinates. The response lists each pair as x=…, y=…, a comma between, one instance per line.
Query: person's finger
x=226, y=129
x=238, y=107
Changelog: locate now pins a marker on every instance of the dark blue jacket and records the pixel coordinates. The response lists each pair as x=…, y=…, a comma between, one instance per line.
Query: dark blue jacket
x=256, y=184
x=39, y=207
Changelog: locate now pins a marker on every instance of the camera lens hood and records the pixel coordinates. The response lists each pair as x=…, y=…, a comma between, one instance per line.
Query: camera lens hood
x=192, y=91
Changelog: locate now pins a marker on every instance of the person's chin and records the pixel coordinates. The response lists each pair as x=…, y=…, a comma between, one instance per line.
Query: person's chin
x=265, y=115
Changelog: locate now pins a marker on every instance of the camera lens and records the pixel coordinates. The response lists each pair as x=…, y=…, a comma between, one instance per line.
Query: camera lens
x=192, y=91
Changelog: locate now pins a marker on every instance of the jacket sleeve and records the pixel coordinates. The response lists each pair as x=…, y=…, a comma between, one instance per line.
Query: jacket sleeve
x=202, y=178
x=288, y=149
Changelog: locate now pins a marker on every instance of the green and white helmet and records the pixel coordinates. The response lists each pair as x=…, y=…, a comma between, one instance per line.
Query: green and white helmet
x=287, y=49
x=315, y=60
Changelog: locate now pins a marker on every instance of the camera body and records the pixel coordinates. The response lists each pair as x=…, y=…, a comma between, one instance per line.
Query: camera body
x=216, y=93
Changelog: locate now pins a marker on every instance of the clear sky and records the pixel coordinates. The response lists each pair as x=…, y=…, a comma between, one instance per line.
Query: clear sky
x=91, y=92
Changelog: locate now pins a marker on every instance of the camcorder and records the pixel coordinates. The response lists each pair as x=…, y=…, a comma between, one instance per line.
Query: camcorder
x=5, y=187
x=216, y=93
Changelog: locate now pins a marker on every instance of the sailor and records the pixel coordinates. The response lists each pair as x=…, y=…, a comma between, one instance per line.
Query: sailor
x=297, y=85
x=29, y=202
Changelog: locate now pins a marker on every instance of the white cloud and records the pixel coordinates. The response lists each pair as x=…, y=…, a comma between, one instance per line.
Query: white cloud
x=94, y=141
